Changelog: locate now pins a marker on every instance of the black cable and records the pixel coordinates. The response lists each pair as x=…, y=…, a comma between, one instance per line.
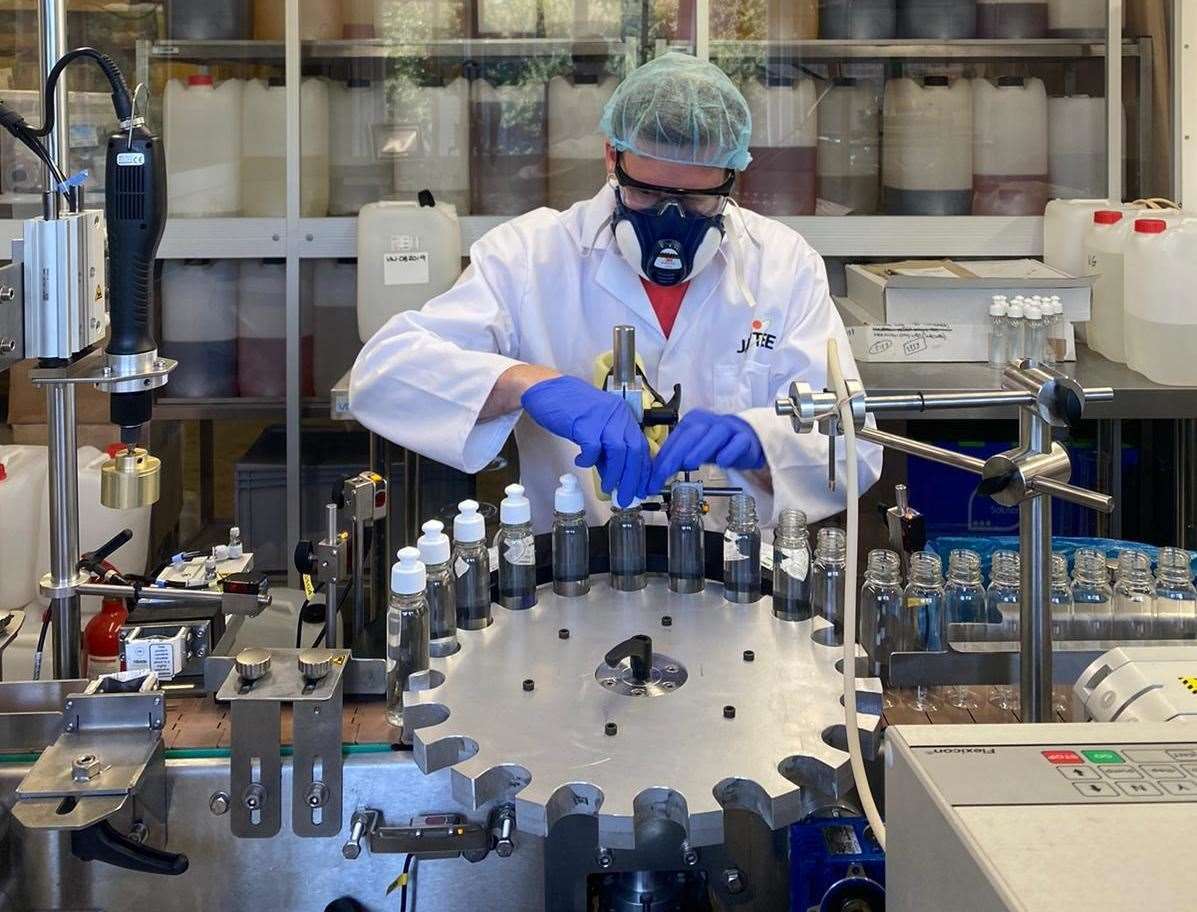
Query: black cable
x=407, y=867
x=122, y=103
x=299, y=619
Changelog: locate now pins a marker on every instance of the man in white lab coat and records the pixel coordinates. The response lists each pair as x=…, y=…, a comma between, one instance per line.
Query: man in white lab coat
x=731, y=305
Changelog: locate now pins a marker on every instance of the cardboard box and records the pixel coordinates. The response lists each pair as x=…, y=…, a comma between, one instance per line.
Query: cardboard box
x=27, y=403
x=943, y=291
x=906, y=343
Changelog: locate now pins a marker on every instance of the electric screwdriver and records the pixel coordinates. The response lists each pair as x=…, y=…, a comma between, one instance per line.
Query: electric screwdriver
x=135, y=212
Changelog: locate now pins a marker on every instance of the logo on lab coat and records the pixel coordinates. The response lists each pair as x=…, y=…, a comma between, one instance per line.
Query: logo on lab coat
x=758, y=337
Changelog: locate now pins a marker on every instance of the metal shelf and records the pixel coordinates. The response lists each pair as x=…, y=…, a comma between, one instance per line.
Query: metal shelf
x=168, y=408
x=381, y=48
x=919, y=48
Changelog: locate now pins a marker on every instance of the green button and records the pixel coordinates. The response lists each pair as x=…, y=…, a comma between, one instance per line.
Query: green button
x=1103, y=756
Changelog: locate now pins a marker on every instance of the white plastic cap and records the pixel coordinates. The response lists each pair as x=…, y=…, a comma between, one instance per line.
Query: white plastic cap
x=1034, y=312
x=434, y=543
x=568, y=498
x=998, y=307
x=468, y=524
x=1016, y=309
x=1000, y=299
x=514, y=509
x=407, y=573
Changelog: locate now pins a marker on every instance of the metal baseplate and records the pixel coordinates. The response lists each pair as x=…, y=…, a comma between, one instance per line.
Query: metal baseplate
x=526, y=714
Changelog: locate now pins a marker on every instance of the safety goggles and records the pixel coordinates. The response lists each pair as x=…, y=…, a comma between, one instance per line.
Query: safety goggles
x=642, y=197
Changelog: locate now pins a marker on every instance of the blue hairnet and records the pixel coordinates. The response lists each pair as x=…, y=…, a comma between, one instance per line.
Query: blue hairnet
x=677, y=108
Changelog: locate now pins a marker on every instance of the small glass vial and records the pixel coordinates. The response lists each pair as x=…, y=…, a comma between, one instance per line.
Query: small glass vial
x=439, y=589
x=924, y=598
x=471, y=568
x=1003, y=600
x=1015, y=339
x=1092, y=596
x=1061, y=599
x=687, y=545
x=827, y=576
x=742, y=552
x=516, y=547
x=1035, y=334
x=791, y=567
x=1057, y=343
x=407, y=633
x=964, y=603
x=626, y=547
x=236, y=547
x=571, y=540
x=884, y=625
x=998, y=335
x=1175, y=597
x=1134, y=597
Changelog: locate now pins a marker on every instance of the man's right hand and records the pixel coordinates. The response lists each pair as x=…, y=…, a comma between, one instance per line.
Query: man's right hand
x=601, y=424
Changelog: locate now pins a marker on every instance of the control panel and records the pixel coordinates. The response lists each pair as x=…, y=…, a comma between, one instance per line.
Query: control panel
x=1042, y=774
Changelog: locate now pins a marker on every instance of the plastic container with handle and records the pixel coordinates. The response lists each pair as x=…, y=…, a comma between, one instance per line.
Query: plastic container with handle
x=23, y=506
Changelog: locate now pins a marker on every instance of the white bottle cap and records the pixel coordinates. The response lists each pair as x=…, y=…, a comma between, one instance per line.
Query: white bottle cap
x=1015, y=311
x=514, y=509
x=998, y=308
x=1034, y=312
x=407, y=573
x=1000, y=299
x=434, y=543
x=221, y=552
x=568, y=498
x=468, y=525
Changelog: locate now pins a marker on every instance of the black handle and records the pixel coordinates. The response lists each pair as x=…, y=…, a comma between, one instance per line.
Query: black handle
x=101, y=842
x=109, y=547
x=639, y=649
x=666, y=414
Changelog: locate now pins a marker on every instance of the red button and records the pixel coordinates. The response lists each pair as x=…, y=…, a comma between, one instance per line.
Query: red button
x=1063, y=757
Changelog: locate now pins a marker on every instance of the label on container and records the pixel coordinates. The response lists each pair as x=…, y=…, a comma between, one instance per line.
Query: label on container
x=405, y=268
x=520, y=551
x=795, y=562
x=732, y=547
x=460, y=567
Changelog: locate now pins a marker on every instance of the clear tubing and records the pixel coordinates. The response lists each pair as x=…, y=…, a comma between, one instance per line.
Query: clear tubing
x=471, y=567
x=517, y=566
x=791, y=567
x=571, y=554
x=1175, y=596
x=687, y=551
x=407, y=650
x=626, y=547
x=1092, y=596
x=964, y=603
x=924, y=597
x=1003, y=601
x=881, y=616
x=827, y=576
x=439, y=592
x=1134, y=597
x=742, y=552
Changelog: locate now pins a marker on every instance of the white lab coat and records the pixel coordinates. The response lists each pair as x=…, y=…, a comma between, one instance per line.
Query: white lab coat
x=547, y=288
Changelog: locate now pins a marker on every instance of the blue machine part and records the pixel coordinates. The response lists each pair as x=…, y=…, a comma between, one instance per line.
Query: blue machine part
x=835, y=864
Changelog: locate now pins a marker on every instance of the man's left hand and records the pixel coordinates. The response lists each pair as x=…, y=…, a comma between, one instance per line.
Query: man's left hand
x=704, y=438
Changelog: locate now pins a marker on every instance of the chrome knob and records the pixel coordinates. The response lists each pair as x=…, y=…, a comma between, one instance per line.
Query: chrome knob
x=314, y=664
x=252, y=663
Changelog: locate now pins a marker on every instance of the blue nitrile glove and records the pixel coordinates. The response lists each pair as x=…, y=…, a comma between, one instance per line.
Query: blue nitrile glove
x=704, y=438
x=601, y=424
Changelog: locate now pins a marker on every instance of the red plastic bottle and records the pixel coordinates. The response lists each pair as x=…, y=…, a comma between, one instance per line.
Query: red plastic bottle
x=101, y=638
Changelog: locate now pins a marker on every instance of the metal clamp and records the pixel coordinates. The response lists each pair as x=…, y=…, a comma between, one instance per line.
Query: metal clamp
x=430, y=836
x=110, y=373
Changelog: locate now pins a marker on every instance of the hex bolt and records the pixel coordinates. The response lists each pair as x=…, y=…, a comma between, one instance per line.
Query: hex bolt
x=666, y=620
x=749, y=655
x=689, y=855
x=729, y=712
x=317, y=795
x=254, y=796
x=733, y=880
x=610, y=728
x=357, y=829
x=7, y=293
x=7, y=346
x=563, y=633
x=85, y=767
x=529, y=685
x=218, y=804
x=605, y=859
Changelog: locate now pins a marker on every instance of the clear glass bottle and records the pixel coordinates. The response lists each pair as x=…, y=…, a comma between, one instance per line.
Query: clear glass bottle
x=1034, y=333
x=1175, y=596
x=571, y=540
x=998, y=336
x=827, y=576
x=1056, y=342
x=236, y=546
x=1092, y=596
x=742, y=551
x=964, y=603
x=626, y=547
x=884, y=623
x=471, y=568
x=791, y=567
x=516, y=547
x=1134, y=597
x=1061, y=599
x=1003, y=601
x=924, y=599
x=407, y=633
x=439, y=589
x=1015, y=339
x=687, y=545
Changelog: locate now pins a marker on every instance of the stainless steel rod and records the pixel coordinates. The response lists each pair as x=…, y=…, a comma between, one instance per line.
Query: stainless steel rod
x=63, y=471
x=925, y=450
x=1035, y=552
x=159, y=593
x=52, y=26
x=1100, y=503
x=331, y=598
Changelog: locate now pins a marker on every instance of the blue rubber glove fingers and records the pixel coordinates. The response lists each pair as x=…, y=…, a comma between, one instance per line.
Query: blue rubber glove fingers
x=743, y=450
x=637, y=467
x=677, y=449
x=704, y=438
